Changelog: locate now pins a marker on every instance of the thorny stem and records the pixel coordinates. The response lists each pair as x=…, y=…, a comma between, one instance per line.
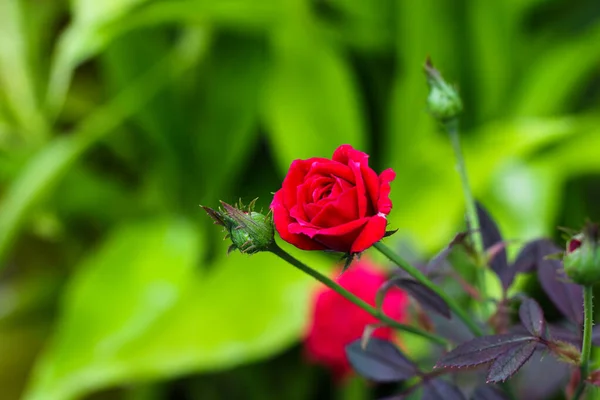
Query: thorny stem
x=586, y=346
x=421, y=278
x=278, y=251
x=471, y=210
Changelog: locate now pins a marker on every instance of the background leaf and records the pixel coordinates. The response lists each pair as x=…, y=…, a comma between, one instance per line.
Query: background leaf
x=380, y=361
x=439, y=389
x=184, y=330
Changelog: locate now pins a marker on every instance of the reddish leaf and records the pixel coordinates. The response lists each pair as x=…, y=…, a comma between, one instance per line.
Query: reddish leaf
x=491, y=236
x=481, y=350
x=380, y=361
x=438, y=389
x=532, y=317
x=510, y=362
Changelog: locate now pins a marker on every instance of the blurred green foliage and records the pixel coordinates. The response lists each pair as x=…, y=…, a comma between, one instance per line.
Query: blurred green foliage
x=119, y=117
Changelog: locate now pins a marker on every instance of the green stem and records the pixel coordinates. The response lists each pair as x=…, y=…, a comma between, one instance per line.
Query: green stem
x=278, y=251
x=421, y=278
x=586, y=346
x=471, y=210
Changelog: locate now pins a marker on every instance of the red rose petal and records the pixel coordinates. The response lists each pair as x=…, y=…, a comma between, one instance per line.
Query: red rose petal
x=361, y=194
x=340, y=238
x=331, y=168
x=373, y=232
x=384, y=204
x=346, y=153
x=282, y=221
x=372, y=188
x=340, y=211
x=296, y=176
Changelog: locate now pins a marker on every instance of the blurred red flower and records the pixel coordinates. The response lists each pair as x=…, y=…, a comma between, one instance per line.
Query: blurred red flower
x=336, y=322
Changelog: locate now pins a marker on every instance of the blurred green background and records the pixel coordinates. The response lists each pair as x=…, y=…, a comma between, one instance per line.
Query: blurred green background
x=119, y=117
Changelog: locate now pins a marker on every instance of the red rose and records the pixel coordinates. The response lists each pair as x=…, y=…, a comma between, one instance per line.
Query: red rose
x=339, y=204
x=336, y=322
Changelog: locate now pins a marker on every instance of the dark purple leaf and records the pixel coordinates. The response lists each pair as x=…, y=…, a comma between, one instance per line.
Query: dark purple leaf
x=438, y=389
x=491, y=236
x=532, y=317
x=453, y=329
x=566, y=296
x=436, y=262
x=426, y=297
x=531, y=254
x=510, y=362
x=481, y=350
x=489, y=392
x=380, y=361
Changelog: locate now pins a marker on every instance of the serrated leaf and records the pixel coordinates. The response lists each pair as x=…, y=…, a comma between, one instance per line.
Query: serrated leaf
x=380, y=361
x=488, y=392
x=532, y=317
x=438, y=389
x=510, y=362
x=426, y=297
x=481, y=350
x=491, y=237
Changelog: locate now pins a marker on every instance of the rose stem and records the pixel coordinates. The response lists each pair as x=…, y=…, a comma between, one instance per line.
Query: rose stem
x=471, y=211
x=421, y=278
x=278, y=251
x=586, y=346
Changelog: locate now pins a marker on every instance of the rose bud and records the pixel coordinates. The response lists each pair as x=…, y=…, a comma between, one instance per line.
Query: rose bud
x=582, y=257
x=336, y=322
x=443, y=101
x=249, y=231
x=339, y=204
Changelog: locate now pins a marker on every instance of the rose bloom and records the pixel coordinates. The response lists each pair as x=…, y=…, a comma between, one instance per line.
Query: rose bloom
x=339, y=204
x=336, y=322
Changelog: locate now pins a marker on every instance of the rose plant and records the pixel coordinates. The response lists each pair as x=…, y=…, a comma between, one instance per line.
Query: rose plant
x=341, y=204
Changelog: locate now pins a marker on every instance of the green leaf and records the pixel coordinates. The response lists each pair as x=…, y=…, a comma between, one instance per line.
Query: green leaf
x=84, y=37
x=558, y=75
x=16, y=79
x=119, y=293
x=137, y=310
x=311, y=102
x=47, y=167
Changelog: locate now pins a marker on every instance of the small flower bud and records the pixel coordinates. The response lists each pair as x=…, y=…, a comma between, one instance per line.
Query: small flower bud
x=443, y=101
x=582, y=257
x=249, y=231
